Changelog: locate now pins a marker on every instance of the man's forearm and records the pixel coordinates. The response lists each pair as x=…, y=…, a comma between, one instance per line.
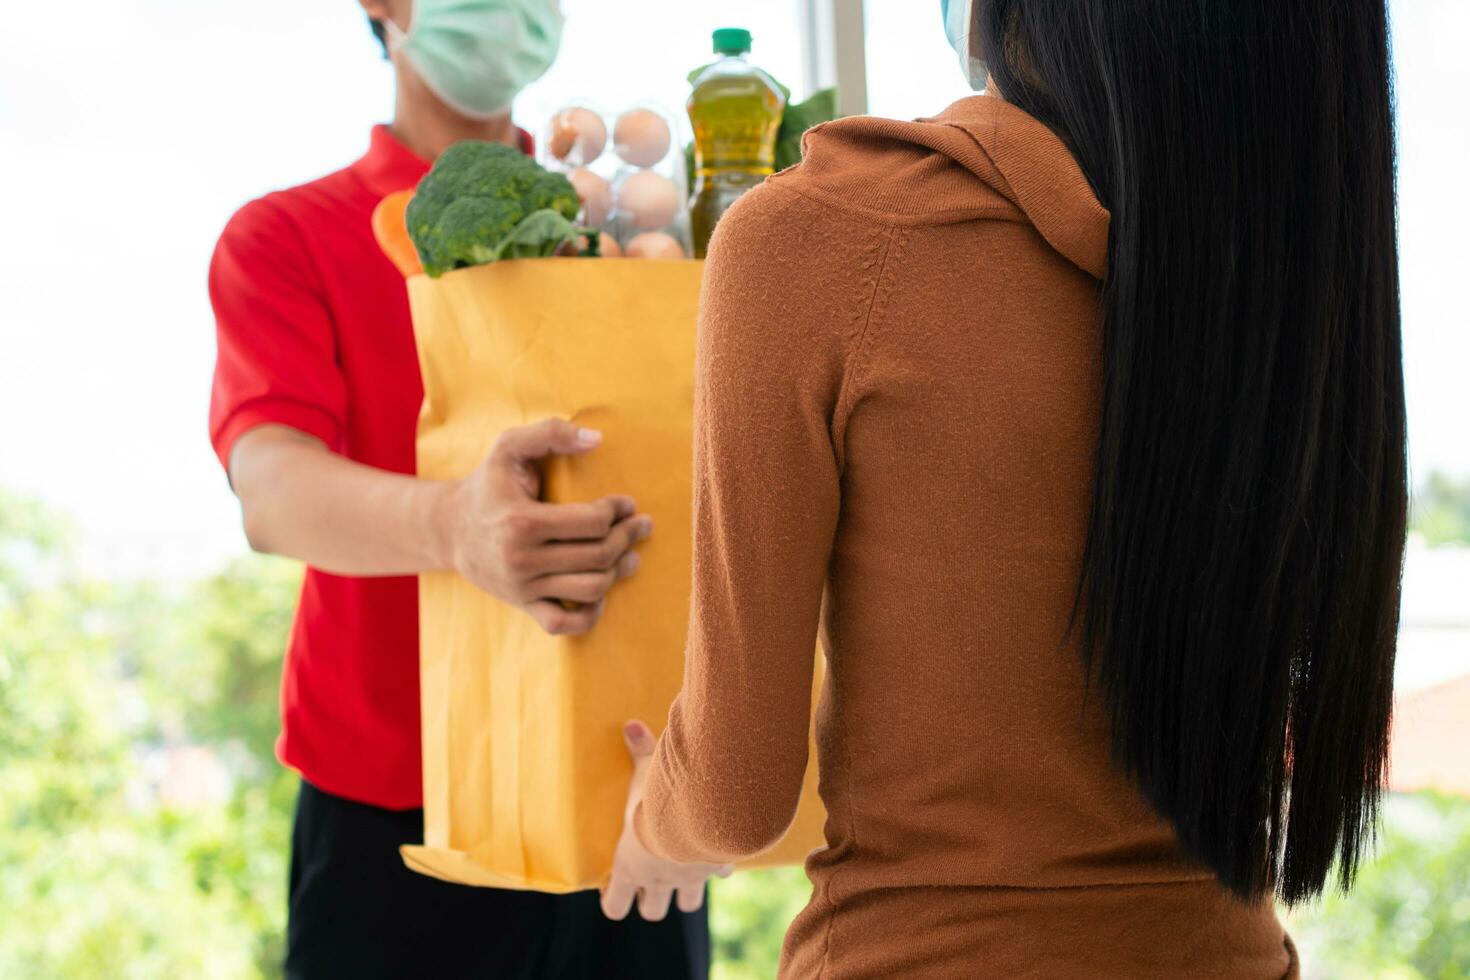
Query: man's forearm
x=554, y=561
x=303, y=501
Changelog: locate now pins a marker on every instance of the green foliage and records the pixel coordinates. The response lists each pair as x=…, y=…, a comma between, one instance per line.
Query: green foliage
x=98, y=876
x=32, y=543
x=224, y=692
x=1442, y=510
x=101, y=876
x=749, y=913
x=799, y=117
x=483, y=202
x=538, y=236
x=1408, y=918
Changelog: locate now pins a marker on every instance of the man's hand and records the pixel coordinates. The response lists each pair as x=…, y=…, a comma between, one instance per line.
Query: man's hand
x=555, y=561
x=639, y=873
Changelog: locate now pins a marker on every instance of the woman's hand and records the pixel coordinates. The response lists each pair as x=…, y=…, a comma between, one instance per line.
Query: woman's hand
x=638, y=872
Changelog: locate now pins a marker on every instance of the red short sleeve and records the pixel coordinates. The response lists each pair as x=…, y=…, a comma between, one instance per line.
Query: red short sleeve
x=277, y=360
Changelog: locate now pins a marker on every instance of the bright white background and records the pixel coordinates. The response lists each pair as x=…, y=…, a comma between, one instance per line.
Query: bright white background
x=131, y=129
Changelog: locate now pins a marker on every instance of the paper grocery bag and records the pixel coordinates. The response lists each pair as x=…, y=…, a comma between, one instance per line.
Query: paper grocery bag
x=525, y=771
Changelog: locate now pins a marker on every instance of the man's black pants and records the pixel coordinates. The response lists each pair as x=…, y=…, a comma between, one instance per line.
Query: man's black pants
x=357, y=912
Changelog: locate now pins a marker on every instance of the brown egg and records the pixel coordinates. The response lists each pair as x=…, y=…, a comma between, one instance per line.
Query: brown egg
x=655, y=245
x=641, y=137
x=609, y=246
x=649, y=198
x=595, y=194
x=578, y=136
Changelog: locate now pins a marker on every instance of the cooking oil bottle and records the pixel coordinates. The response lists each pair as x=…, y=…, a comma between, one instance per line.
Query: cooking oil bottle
x=736, y=111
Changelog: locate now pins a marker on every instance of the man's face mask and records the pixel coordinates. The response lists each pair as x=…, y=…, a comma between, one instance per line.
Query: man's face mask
x=477, y=55
x=959, y=22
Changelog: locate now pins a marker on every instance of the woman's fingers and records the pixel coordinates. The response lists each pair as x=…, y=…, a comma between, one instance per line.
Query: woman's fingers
x=641, y=743
x=653, y=903
x=617, y=897
x=636, y=870
x=639, y=739
x=691, y=897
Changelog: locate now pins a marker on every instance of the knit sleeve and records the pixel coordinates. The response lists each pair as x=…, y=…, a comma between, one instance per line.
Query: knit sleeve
x=788, y=289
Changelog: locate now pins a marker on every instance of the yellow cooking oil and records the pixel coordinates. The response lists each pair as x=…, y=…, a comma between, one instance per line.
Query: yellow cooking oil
x=736, y=112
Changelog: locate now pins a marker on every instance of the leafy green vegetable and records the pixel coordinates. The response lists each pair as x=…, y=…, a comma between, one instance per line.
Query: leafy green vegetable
x=538, y=235
x=799, y=117
x=484, y=202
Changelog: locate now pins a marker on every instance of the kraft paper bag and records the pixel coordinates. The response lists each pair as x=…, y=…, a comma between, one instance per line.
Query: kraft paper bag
x=525, y=771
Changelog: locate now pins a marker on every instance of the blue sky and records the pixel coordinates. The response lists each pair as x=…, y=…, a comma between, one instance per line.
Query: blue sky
x=130, y=130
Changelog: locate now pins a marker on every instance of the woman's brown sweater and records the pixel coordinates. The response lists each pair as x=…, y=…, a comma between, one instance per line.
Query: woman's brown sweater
x=898, y=400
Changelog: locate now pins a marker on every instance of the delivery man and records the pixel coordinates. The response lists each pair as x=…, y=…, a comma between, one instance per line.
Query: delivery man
x=315, y=400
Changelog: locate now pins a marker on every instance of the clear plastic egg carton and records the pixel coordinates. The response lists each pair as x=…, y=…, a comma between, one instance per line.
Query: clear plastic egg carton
x=629, y=172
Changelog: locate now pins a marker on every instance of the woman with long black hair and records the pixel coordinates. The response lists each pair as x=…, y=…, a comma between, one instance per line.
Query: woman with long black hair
x=1075, y=418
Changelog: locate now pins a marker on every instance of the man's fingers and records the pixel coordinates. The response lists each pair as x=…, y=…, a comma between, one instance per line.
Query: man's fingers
x=586, y=587
x=549, y=437
x=617, y=897
x=653, y=903
x=627, y=565
x=691, y=897
x=590, y=556
x=581, y=522
x=557, y=620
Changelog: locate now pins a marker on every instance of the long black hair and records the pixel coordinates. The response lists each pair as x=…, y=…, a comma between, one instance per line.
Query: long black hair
x=1239, y=597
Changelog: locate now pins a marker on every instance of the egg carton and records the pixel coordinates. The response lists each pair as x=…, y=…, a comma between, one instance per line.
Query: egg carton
x=632, y=186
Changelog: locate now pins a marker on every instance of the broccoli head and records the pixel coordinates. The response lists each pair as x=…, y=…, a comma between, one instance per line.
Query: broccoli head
x=488, y=201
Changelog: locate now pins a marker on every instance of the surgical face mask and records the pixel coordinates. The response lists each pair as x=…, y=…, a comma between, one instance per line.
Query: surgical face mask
x=959, y=21
x=477, y=55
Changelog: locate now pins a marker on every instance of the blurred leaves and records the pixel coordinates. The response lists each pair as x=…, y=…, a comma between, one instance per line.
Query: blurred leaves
x=1442, y=510
x=1409, y=914
x=234, y=627
x=100, y=876
x=749, y=913
x=104, y=874
x=799, y=117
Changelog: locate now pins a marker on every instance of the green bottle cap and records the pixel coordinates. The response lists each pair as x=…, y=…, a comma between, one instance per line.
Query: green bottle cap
x=732, y=40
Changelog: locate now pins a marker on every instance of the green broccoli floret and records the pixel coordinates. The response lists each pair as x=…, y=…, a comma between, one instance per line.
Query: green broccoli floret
x=487, y=201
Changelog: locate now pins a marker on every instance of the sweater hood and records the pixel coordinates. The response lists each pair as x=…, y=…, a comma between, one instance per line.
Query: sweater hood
x=980, y=158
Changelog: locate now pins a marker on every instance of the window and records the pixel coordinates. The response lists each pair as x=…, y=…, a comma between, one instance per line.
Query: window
x=614, y=55
x=912, y=70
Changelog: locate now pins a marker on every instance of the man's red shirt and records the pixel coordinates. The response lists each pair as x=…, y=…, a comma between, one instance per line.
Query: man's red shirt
x=314, y=333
